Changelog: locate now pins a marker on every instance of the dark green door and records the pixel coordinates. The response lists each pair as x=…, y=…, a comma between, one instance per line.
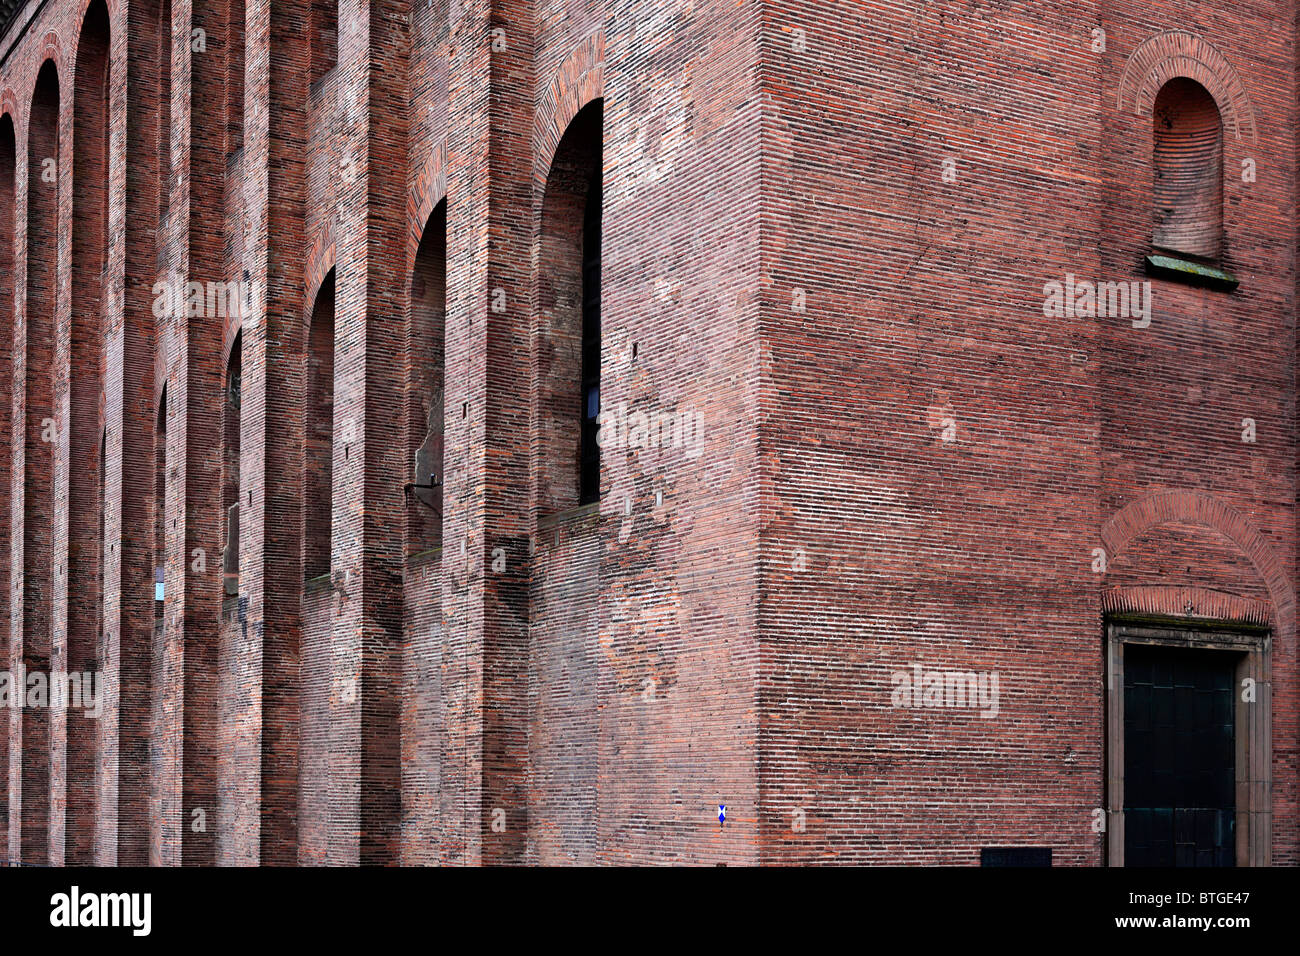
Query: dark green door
x=1179, y=756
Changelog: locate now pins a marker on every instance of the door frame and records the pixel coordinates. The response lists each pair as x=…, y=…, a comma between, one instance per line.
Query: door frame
x=1253, y=760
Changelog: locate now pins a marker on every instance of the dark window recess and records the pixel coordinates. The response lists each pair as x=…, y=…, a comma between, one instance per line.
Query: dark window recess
x=589, y=454
x=1016, y=856
x=318, y=460
x=160, y=507
x=1179, y=757
x=235, y=385
x=230, y=556
x=230, y=465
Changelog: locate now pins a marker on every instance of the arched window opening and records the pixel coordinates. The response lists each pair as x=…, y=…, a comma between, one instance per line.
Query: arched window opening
x=589, y=477
x=86, y=460
x=1188, y=170
x=89, y=250
x=324, y=37
x=42, y=257
x=318, y=465
x=569, y=300
x=427, y=384
x=160, y=510
x=43, y=180
x=8, y=195
x=230, y=466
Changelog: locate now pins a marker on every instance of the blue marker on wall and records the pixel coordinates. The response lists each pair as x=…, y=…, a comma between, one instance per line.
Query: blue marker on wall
x=722, y=814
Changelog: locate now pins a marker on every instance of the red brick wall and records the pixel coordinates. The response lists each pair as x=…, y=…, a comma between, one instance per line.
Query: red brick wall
x=132, y=389
x=901, y=458
x=930, y=460
x=944, y=451
x=317, y=746
x=563, y=682
x=1174, y=395
x=7, y=313
x=422, y=712
x=679, y=588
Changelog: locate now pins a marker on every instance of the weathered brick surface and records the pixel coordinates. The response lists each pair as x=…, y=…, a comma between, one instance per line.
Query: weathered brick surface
x=422, y=713
x=132, y=390
x=7, y=193
x=901, y=459
x=976, y=553
x=1174, y=397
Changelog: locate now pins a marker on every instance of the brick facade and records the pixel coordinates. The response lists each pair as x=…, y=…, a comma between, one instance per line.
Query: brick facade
x=827, y=236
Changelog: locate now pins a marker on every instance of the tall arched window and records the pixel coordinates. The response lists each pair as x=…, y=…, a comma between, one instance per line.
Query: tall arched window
x=589, y=457
x=160, y=510
x=569, y=288
x=318, y=464
x=427, y=383
x=85, y=542
x=1188, y=170
x=38, y=481
x=8, y=162
x=230, y=465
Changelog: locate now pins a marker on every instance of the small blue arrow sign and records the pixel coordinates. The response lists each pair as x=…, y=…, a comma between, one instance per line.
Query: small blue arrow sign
x=722, y=814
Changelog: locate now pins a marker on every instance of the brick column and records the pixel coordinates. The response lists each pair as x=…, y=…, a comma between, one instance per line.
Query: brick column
x=486, y=495
x=122, y=831
x=194, y=515
x=369, y=512
x=270, y=562
x=505, y=437
x=83, y=467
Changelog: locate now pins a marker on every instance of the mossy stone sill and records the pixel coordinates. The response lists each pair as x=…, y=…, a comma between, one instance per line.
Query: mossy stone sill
x=318, y=583
x=1191, y=273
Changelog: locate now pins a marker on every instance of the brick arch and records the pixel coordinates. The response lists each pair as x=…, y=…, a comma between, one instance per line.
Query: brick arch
x=113, y=6
x=159, y=386
x=320, y=260
x=233, y=324
x=1178, y=53
x=426, y=192
x=1179, y=601
x=1199, y=508
x=51, y=49
x=229, y=335
x=579, y=80
x=83, y=9
x=50, y=52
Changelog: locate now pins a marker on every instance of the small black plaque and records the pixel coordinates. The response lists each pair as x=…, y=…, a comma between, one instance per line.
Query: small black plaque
x=1016, y=856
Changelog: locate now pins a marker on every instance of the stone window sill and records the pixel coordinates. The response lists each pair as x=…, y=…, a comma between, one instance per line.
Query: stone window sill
x=1189, y=272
